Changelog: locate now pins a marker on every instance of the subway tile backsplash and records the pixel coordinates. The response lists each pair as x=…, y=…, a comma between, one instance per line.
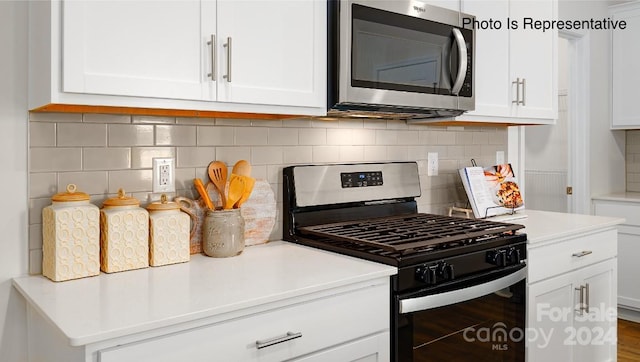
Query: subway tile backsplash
x=101, y=153
x=633, y=160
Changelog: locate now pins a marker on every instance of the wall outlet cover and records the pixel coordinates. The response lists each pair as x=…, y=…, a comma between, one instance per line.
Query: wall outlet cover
x=432, y=164
x=164, y=175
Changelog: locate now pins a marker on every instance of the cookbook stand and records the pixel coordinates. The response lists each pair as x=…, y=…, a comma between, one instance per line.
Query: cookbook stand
x=512, y=211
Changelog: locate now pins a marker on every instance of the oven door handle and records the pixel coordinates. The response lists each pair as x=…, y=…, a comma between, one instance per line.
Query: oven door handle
x=455, y=296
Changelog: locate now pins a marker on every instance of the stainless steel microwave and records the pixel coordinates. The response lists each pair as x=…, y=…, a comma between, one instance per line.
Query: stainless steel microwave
x=399, y=59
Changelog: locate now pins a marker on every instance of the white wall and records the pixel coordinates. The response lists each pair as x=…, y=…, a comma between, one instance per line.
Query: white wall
x=607, y=147
x=13, y=177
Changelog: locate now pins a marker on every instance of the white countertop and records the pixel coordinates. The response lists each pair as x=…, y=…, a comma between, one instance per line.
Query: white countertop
x=541, y=226
x=113, y=305
x=620, y=196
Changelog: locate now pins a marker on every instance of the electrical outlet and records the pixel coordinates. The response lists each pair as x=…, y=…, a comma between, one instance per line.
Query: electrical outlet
x=432, y=164
x=499, y=157
x=164, y=178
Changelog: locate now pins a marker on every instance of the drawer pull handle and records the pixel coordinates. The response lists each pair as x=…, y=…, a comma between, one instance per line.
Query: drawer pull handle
x=582, y=253
x=270, y=342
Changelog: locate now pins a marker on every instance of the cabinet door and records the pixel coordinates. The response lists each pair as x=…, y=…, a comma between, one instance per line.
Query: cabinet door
x=625, y=75
x=138, y=48
x=271, y=52
x=371, y=349
x=533, y=58
x=595, y=328
x=492, y=78
x=551, y=306
x=629, y=269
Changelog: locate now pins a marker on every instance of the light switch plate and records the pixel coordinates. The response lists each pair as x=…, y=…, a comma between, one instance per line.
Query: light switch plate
x=164, y=175
x=432, y=164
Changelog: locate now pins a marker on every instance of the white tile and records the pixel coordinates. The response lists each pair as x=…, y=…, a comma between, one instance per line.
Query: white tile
x=215, y=136
x=153, y=119
x=283, y=136
x=230, y=155
x=35, y=262
x=398, y=153
x=233, y=122
x=395, y=124
x=266, y=123
x=113, y=158
x=105, y=118
x=326, y=154
x=274, y=174
x=130, y=135
x=196, y=121
x=42, y=134
x=480, y=138
x=364, y=137
x=351, y=123
x=324, y=123
x=195, y=156
x=408, y=138
x=297, y=154
x=55, y=117
x=375, y=153
x=175, y=135
x=386, y=137
x=142, y=157
x=455, y=151
x=251, y=136
x=92, y=182
x=340, y=136
x=375, y=124
x=415, y=153
x=259, y=171
x=42, y=184
x=464, y=138
x=35, y=209
x=312, y=136
x=35, y=236
x=81, y=134
x=55, y=159
x=130, y=181
x=444, y=137
x=351, y=153
x=267, y=155
x=424, y=137
x=297, y=122
x=184, y=178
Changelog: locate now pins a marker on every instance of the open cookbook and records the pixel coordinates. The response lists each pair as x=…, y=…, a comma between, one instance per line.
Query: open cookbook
x=492, y=190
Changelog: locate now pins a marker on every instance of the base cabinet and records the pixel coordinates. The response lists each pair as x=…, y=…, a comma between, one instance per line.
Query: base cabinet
x=571, y=298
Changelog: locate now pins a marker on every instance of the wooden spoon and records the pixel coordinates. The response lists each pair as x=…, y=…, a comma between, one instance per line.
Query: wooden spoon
x=203, y=193
x=242, y=168
x=217, y=171
x=249, y=182
x=236, y=189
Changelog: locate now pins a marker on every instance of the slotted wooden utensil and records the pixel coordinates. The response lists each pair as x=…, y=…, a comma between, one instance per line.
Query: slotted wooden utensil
x=217, y=171
x=203, y=192
x=236, y=189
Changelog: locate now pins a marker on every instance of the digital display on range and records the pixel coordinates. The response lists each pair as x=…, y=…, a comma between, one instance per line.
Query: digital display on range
x=361, y=179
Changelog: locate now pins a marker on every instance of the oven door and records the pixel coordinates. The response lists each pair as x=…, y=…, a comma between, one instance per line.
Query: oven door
x=405, y=54
x=476, y=319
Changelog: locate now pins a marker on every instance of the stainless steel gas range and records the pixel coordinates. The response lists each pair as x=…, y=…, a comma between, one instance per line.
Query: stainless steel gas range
x=460, y=289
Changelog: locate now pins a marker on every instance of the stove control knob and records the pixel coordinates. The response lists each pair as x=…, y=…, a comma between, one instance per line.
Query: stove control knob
x=497, y=257
x=514, y=257
x=449, y=272
x=426, y=274
x=445, y=271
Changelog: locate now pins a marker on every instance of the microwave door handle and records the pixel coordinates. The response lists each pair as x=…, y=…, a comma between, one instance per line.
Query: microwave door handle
x=462, y=64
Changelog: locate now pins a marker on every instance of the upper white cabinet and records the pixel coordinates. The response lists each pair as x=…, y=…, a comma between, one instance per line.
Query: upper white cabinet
x=625, y=74
x=257, y=56
x=515, y=69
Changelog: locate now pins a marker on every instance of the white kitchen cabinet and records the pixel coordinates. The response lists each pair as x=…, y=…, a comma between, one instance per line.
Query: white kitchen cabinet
x=175, y=55
x=515, y=69
x=625, y=74
x=275, y=302
x=571, y=297
x=628, y=248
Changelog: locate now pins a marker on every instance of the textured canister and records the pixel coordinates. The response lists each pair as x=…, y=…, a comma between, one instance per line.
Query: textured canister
x=169, y=231
x=70, y=236
x=223, y=233
x=124, y=238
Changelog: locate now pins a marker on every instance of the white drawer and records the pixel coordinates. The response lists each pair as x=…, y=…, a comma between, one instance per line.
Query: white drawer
x=570, y=254
x=628, y=211
x=322, y=323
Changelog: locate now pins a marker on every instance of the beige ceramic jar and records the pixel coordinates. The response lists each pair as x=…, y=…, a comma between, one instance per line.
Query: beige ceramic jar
x=124, y=239
x=169, y=231
x=70, y=237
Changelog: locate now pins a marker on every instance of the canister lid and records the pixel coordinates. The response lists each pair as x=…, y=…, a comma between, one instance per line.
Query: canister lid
x=163, y=204
x=70, y=195
x=121, y=200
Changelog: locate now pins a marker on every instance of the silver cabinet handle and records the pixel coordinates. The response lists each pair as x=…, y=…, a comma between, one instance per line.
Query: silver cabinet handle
x=582, y=253
x=524, y=90
x=228, y=46
x=270, y=342
x=587, y=299
x=462, y=67
x=212, y=42
x=581, y=304
x=517, y=83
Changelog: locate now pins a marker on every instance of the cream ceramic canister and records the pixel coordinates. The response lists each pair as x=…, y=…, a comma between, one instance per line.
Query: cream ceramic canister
x=169, y=233
x=124, y=238
x=70, y=236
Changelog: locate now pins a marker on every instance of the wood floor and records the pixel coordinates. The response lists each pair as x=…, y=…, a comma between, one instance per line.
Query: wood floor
x=628, y=341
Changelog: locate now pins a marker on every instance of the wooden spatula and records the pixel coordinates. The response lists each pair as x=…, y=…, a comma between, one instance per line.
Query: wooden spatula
x=236, y=189
x=249, y=182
